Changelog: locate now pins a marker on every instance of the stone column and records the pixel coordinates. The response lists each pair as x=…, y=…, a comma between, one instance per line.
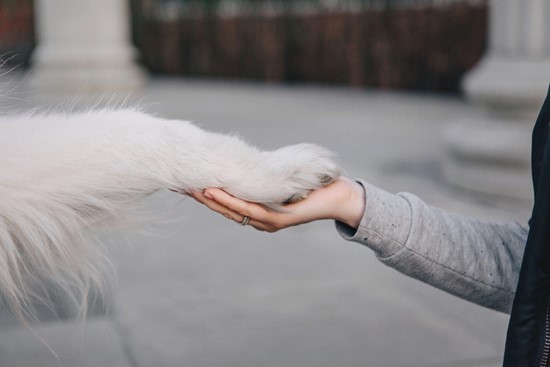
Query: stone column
x=84, y=51
x=84, y=57
x=489, y=150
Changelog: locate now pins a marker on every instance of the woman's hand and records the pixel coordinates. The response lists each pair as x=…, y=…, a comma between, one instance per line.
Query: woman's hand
x=343, y=200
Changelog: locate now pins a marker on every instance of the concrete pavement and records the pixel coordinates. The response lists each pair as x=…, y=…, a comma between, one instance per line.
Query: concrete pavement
x=205, y=292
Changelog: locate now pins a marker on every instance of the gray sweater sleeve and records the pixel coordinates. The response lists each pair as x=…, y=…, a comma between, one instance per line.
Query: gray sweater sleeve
x=475, y=260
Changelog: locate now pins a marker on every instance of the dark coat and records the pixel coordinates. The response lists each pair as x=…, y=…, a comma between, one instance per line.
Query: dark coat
x=528, y=339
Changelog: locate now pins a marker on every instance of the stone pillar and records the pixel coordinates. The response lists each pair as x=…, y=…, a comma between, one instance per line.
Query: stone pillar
x=84, y=57
x=84, y=51
x=489, y=150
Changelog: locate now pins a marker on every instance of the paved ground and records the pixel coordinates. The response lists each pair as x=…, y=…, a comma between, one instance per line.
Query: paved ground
x=208, y=293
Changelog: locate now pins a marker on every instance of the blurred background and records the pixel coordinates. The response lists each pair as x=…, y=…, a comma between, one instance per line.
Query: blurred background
x=391, y=44
x=383, y=44
x=433, y=97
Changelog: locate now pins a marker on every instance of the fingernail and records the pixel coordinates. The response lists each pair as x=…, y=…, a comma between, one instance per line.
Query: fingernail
x=208, y=195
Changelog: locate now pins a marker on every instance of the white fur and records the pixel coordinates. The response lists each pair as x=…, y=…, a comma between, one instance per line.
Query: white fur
x=64, y=176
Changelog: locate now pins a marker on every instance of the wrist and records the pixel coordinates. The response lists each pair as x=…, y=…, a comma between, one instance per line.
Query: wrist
x=352, y=203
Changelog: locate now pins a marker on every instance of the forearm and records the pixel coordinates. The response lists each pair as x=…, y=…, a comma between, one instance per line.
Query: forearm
x=475, y=260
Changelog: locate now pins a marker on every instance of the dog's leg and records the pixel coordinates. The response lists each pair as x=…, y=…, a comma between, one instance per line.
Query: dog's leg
x=62, y=176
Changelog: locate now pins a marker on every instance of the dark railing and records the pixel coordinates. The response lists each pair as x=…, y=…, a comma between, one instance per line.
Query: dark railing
x=422, y=45
x=16, y=31
x=407, y=44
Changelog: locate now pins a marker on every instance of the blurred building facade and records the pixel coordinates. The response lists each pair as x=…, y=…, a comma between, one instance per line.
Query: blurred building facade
x=415, y=45
x=83, y=51
x=490, y=151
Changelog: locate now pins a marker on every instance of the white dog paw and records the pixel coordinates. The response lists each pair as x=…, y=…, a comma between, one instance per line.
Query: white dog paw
x=289, y=174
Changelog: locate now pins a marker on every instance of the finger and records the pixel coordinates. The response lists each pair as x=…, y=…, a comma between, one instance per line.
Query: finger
x=261, y=226
x=249, y=209
x=228, y=201
x=181, y=191
x=269, y=225
x=267, y=219
x=228, y=213
x=213, y=205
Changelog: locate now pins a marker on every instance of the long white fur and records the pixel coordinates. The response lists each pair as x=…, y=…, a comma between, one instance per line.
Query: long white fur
x=65, y=176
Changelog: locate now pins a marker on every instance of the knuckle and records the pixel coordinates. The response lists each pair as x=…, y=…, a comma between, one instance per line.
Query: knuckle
x=244, y=210
x=278, y=225
x=259, y=227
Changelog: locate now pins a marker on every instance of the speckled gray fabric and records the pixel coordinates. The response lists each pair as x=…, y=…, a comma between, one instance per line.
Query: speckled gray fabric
x=472, y=259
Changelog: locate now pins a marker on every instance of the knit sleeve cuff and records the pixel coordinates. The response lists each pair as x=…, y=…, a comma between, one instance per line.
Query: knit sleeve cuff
x=385, y=224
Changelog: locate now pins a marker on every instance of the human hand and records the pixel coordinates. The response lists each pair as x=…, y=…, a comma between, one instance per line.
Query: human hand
x=343, y=200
